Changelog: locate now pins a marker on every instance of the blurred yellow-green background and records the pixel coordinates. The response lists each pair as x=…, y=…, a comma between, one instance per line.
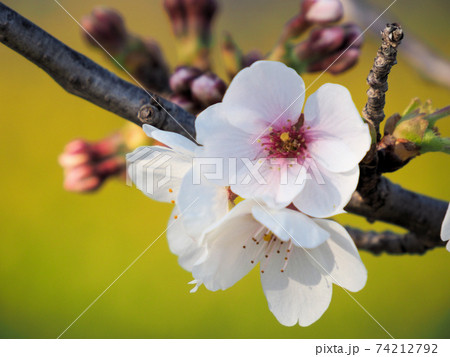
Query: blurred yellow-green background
x=59, y=250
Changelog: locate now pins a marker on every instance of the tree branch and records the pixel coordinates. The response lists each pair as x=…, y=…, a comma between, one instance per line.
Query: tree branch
x=391, y=243
x=84, y=78
x=421, y=215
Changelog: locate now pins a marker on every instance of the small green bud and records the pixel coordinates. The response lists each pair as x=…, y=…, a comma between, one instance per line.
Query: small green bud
x=417, y=126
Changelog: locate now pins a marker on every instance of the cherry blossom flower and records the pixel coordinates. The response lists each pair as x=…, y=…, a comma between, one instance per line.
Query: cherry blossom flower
x=260, y=120
x=445, y=229
x=162, y=173
x=299, y=258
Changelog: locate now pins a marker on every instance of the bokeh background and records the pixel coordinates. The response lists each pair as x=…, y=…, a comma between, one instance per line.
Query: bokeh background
x=59, y=250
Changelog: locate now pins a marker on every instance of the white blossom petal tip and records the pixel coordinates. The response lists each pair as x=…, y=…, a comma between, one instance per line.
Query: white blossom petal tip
x=445, y=228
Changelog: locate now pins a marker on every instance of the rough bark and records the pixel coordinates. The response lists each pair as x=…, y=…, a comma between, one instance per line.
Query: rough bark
x=377, y=79
x=421, y=215
x=373, y=111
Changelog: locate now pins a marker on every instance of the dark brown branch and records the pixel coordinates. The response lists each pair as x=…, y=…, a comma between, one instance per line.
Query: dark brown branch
x=391, y=243
x=419, y=214
x=84, y=78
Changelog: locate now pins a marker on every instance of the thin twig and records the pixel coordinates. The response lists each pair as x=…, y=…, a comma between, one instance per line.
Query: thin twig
x=377, y=80
x=373, y=112
x=432, y=65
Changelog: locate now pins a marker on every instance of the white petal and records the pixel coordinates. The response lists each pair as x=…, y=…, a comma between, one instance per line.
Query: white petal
x=333, y=154
x=328, y=194
x=221, y=139
x=445, y=228
x=209, y=122
x=201, y=204
x=270, y=187
x=288, y=224
x=157, y=171
x=270, y=91
x=173, y=140
x=181, y=244
x=348, y=270
x=300, y=293
x=226, y=261
x=331, y=110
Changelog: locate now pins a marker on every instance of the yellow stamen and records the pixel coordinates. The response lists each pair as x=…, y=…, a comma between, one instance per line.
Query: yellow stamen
x=284, y=136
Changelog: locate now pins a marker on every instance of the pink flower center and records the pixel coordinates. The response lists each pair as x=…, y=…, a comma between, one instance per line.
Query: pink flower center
x=286, y=142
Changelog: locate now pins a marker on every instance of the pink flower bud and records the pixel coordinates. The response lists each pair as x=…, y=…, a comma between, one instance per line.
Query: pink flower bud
x=251, y=57
x=322, y=11
x=88, y=184
x=185, y=102
x=346, y=61
x=182, y=78
x=175, y=10
x=76, y=153
x=336, y=63
x=107, y=27
x=87, y=165
x=353, y=35
x=326, y=40
x=192, y=16
x=294, y=27
x=200, y=14
x=208, y=89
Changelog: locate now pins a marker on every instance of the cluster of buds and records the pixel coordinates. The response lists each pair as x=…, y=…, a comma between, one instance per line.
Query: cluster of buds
x=194, y=90
x=141, y=57
x=87, y=165
x=191, y=23
x=332, y=48
x=312, y=12
x=411, y=134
